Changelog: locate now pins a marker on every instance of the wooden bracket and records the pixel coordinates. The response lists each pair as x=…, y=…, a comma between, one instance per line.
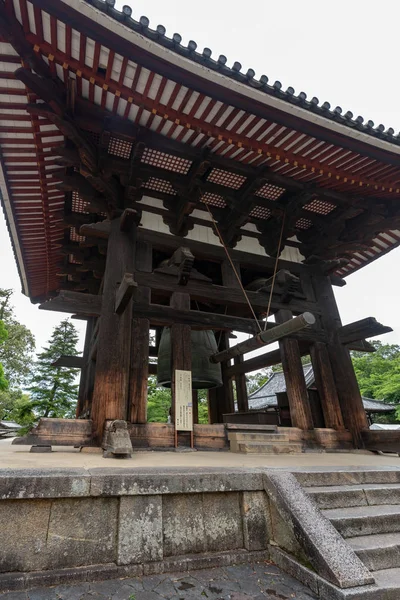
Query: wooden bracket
x=124, y=293
x=96, y=230
x=181, y=265
x=183, y=259
x=129, y=217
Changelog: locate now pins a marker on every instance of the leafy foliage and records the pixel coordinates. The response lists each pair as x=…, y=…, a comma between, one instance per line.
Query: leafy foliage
x=15, y=406
x=257, y=380
x=159, y=403
x=3, y=338
x=378, y=373
x=53, y=391
x=16, y=351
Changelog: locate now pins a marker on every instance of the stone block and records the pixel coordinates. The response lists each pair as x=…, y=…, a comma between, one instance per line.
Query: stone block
x=46, y=483
x=82, y=532
x=24, y=525
x=130, y=571
x=102, y=572
x=55, y=577
x=125, y=482
x=283, y=535
x=256, y=520
x=183, y=524
x=222, y=521
x=140, y=536
x=40, y=449
x=294, y=568
x=11, y=581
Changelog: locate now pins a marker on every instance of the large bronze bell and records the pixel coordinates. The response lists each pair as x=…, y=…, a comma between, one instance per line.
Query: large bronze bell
x=205, y=375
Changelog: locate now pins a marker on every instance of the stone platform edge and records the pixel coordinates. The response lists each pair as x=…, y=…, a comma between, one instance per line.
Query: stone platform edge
x=13, y=581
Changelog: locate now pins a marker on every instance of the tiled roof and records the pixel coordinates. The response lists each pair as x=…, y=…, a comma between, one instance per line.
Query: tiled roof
x=265, y=396
x=158, y=35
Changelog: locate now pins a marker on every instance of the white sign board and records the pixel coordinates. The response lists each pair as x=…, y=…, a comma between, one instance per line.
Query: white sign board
x=183, y=401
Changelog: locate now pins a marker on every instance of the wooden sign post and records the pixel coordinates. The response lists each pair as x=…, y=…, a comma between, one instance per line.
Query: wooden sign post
x=183, y=404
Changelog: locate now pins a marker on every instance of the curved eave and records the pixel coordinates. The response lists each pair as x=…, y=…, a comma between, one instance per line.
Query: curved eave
x=12, y=229
x=200, y=72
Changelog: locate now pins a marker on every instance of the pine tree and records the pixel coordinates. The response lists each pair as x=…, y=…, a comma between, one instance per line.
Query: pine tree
x=53, y=390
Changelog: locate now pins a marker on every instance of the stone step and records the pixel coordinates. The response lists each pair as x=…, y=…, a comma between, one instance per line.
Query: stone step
x=379, y=551
x=368, y=494
x=388, y=582
x=271, y=437
x=332, y=476
x=365, y=520
x=269, y=448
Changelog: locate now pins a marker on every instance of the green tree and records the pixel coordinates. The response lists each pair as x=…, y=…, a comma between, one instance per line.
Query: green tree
x=159, y=403
x=3, y=338
x=378, y=373
x=16, y=351
x=53, y=390
x=258, y=379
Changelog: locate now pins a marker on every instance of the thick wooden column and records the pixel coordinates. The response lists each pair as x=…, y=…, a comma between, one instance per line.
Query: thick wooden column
x=83, y=384
x=111, y=387
x=180, y=344
x=326, y=387
x=139, y=369
x=354, y=417
x=300, y=411
x=241, y=388
x=195, y=407
x=229, y=279
x=221, y=400
x=212, y=401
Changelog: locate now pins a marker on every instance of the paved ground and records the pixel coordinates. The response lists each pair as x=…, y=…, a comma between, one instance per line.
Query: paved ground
x=19, y=457
x=261, y=581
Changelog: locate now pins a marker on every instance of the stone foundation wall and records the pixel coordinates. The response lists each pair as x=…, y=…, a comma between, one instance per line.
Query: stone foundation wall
x=76, y=525
x=129, y=521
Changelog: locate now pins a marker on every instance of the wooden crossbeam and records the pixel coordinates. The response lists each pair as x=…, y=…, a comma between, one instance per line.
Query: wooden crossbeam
x=217, y=294
x=160, y=315
x=365, y=328
x=266, y=337
x=72, y=362
x=74, y=302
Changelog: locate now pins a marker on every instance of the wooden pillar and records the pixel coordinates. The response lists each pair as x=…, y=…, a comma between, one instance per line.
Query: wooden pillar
x=212, y=401
x=326, y=387
x=85, y=368
x=139, y=368
x=241, y=388
x=195, y=406
x=229, y=279
x=354, y=417
x=221, y=400
x=180, y=344
x=300, y=411
x=111, y=387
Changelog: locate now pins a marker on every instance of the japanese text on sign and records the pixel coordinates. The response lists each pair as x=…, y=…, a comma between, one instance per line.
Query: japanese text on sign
x=183, y=401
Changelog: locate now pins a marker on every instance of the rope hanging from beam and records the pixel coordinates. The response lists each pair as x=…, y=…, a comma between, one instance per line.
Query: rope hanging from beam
x=275, y=271
x=232, y=265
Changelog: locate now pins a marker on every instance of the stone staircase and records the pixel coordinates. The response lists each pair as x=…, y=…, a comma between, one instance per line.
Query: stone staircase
x=364, y=506
x=260, y=439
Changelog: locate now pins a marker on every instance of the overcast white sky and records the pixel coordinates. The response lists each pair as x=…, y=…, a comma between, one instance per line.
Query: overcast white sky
x=343, y=52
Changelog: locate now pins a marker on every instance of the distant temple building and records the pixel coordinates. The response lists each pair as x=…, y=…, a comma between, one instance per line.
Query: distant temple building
x=266, y=397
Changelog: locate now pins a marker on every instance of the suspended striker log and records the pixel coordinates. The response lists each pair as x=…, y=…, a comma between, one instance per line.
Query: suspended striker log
x=266, y=337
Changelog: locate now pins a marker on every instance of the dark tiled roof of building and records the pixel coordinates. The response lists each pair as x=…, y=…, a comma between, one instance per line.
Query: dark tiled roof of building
x=265, y=396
